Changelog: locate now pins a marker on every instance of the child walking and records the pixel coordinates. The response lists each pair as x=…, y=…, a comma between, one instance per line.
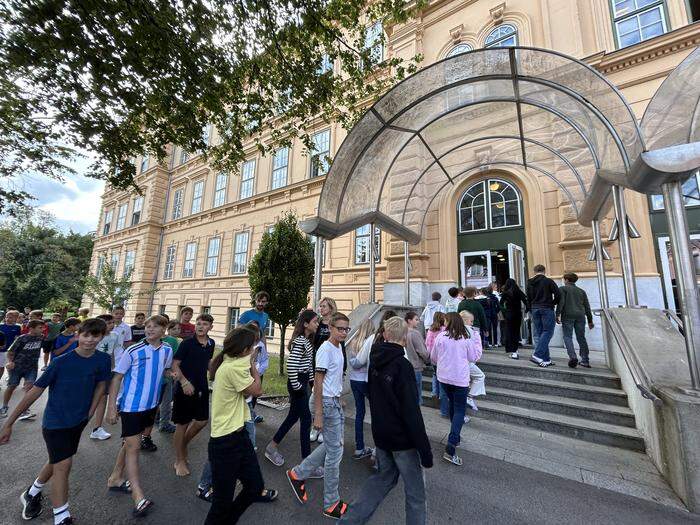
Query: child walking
x=165, y=408
x=477, y=378
x=67, y=340
x=359, y=366
x=436, y=329
x=109, y=345
x=22, y=359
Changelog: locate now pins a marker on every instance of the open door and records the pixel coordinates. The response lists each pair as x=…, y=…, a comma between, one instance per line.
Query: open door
x=476, y=268
x=516, y=268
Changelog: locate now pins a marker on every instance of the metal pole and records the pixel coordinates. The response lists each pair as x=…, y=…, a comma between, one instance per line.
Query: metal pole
x=625, y=249
x=372, y=266
x=685, y=275
x=406, y=276
x=318, y=264
x=600, y=264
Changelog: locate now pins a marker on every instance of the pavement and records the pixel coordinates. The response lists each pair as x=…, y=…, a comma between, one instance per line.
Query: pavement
x=485, y=490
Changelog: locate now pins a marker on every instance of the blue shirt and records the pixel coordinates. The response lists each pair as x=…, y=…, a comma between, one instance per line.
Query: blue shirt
x=253, y=315
x=62, y=340
x=11, y=331
x=71, y=380
x=142, y=366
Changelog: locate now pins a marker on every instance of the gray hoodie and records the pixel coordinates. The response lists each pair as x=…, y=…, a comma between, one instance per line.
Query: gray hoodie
x=430, y=309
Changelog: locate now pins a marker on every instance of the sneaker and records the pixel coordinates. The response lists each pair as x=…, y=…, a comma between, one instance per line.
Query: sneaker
x=168, y=428
x=472, y=404
x=467, y=419
x=313, y=436
x=535, y=360
x=31, y=505
x=67, y=521
x=317, y=473
x=545, y=364
x=337, y=510
x=100, y=434
x=320, y=437
x=298, y=486
x=3, y=412
x=205, y=494
x=147, y=444
x=455, y=460
x=362, y=454
x=258, y=419
x=26, y=415
x=514, y=355
x=585, y=364
x=573, y=362
x=274, y=456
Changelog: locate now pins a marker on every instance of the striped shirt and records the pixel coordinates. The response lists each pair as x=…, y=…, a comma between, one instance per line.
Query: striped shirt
x=142, y=366
x=300, y=360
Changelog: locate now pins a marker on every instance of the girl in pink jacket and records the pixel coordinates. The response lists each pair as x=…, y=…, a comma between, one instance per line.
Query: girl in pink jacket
x=436, y=328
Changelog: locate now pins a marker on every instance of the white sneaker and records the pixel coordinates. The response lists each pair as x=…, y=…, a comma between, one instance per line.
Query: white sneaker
x=313, y=436
x=467, y=419
x=514, y=355
x=472, y=404
x=26, y=415
x=100, y=434
x=320, y=437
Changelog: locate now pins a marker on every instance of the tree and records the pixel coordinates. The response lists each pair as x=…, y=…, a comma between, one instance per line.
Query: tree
x=108, y=290
x=284, y=268
x=118, y=78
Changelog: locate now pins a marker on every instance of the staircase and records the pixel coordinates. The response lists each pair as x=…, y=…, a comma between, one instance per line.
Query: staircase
x=586, y=404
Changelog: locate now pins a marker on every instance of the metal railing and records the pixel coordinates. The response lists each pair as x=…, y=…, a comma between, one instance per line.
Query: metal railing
x=677, y=320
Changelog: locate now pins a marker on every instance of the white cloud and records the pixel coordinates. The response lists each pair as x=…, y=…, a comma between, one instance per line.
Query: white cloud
x=78, y=206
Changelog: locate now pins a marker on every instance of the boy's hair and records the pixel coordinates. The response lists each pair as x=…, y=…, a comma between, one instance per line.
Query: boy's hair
x=206, y=317
x=455, y=327
x=173, y=324
x=34, y=323
x=571, y=277
x=105, y=317
x=118, y=308
x=38, y=313
x=95, y=326
x=438, y=321
x=436, y=296
x=186, y=309
x=140, y=314
x=452, y=292
x=11, y=311
x=86, y=310
x=56, y=314
x=409, y=316
x=466, y=315
x=339, y=317
x=539, y=268
x=261, y=294
x=159, y=320
x=469, y=291
x=460, y=290
x=72, y=321
x=395, y=329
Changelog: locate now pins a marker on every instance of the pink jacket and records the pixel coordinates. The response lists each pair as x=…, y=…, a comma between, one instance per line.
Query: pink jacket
x=452, y=357
x=430, y=338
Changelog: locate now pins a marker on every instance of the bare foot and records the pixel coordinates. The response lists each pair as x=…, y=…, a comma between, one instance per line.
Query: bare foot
x=181, y=469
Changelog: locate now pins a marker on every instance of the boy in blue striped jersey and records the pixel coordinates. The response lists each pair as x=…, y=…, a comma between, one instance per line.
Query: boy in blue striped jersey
x=135, y=401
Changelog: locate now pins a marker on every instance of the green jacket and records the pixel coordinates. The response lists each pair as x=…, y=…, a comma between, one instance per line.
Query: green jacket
x=573, y=304
x=473, y=306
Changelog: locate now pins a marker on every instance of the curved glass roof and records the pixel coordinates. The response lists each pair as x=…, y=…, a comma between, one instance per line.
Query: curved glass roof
x=535, y=108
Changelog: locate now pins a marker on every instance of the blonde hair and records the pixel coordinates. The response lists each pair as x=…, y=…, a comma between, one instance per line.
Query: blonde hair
x=466, y=316
x=395, y=329
x=331, y=303
x=366, y=329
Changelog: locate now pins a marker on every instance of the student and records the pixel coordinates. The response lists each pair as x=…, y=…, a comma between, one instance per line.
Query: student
x=191, y=389
x=438, y=326
x=122, y=330
x=83, y=314
x=477, y=379
x=573, y=309
x=141, y=367
x=231, y=453
x=67, y=340
x=329, y=418
x=32, y=315
x=431, y=309
x=10, y=330
x=257, y=314
x=298, y=374
x=326, y=309
x=54, y=327
x=138, y=329
x=543, y=295
x=403, y=449
x=359, y=366
x=452, y=302
x=512, y=297
x=75, y=381
x=109, y=344
x=186, y=327
x=262, y=362
x=22, y=359
x=453, y=351
x=165, y=408
x=470, y=304
x=416, y=351
x=492, y=312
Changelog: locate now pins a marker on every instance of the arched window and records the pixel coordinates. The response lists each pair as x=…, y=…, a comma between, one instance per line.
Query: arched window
x=458, y=50
x=504, y=35
x=499, y=198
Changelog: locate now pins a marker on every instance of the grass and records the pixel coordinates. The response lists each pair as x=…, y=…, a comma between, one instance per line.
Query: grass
x=274, y=384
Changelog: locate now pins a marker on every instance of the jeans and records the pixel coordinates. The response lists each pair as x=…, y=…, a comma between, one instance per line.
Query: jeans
x=544, y=321
x=419, y=386
x=436, y=385
x=458, y=406
x=298, y=411
x=205, y=479
x=329, y=453
x=578, y=325
x=391, y=465
x=250, y=424
x=166, y=403
x=359, y=392
x=444, y=402
x=232, y=458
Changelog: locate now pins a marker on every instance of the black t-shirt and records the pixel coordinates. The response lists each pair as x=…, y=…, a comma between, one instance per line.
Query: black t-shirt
x=194, y=361
x=137, y=333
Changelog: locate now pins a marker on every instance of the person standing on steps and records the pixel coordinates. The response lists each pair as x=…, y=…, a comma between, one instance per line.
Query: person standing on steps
x=543, y=295
x=472, y=305
x=416, y=352
x=431, y=309
x=511, y=299
x=573, y=310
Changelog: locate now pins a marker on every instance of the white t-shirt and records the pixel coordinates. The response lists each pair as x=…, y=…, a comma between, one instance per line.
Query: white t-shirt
x=110, y=345
x=123, y=330
x=329, y=359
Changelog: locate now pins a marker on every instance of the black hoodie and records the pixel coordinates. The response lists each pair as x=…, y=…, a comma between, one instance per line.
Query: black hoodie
x=397, y=422
x=542, y=292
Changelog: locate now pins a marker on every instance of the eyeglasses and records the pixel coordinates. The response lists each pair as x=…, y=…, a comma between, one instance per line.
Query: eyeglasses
x=345, y=329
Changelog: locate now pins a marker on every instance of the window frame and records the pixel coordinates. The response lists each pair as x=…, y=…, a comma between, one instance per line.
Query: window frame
x=660, y=209
x=314, y=239
x=162, y=308
x=248, y=179
x=232, y=317
x=452, y=52
x=375, y=42
x=617, y=19
x=220, y=192
x=198, y=198
x=101, y=259
x=317, y=154
x=495, y=43
x=129, y=262
x=360, y=236
x=187, y=260
x=144, y=163
x=210, y=257
x=169, y=266
x=121, y=217
x=184, y=155
x=136, y=210
x=488, y=219
x=243, y=253
x=276, y=169
x=107, y=224
x=178, y=205
x=114, y=262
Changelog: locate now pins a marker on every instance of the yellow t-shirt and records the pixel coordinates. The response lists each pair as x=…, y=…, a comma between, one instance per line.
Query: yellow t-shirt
x=229, y=411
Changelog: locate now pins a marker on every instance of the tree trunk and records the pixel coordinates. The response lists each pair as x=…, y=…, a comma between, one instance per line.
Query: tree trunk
x=283, y=329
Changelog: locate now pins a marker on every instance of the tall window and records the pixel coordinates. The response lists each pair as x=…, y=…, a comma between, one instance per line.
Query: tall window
x=220, y=189
x=178, y=197
x=247, y=179
x=314, y=240
x=374, y=43
x=108, y=222
x=504, y=35
x=100, y=265
x=144, y=163
x=190, y=258
x=184, y=156
x=240, y=253
x=319, y=156
x=638, y=20
x=206, y=132
x=270, y=332
x=362, y=244
x=169, y=269
x=114, y=262
x=488, y=204
x=197, y=193
x=458, y=50
x=121, y=216
x=326, y=64
x=691, y=194
x=213, y=256
x=161, y=309
x=280, y=162
x=129, y=259
x=233, y=315
x=136, y=211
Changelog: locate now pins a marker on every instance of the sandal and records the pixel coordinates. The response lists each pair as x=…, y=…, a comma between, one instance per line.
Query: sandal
x=142, y=508
x=268, y=496
x=455, y=460
x=124, y=488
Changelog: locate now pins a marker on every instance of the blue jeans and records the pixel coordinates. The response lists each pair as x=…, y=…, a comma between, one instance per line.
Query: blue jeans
x=543, y=321
x=436, y=385
x=250, y=424
x=359, y=392
x=568, y=326
x=419, y=385
x=457, y=396
x=205, y=480
x=166, y=403
x=444, y=402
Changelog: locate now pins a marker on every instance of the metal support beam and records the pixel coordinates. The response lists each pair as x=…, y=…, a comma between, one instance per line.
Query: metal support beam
x=685, y=275
x=406, y=275
x=372, y=265
x=625, y=249
x=600, y=264
x=318, y=265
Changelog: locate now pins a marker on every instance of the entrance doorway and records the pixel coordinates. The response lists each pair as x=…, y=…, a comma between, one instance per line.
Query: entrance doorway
x=481, y=268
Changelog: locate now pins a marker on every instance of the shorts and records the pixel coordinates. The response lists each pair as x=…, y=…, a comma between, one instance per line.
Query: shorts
x=29, y=376
x=3, y=359
x=188, y=408
x=47, y=346
x=134, y=423
x=62, y=443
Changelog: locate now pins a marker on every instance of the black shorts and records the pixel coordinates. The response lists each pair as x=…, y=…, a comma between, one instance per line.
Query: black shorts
x=188, y=408
x=47, y=346
x=62, y=443
x=134, y=423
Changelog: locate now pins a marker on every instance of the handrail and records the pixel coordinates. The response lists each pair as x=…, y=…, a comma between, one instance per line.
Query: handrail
x=639, y=376
x=673, y=317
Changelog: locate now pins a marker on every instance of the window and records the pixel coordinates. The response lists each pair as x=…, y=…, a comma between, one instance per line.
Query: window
x=108, y=222
x=362, y=240
x=314, y=240
x=458, y=50
x=638, y=20
x=121, y=216
x=247, y=179
x=691, y=194
x=220, y=189
x=498, y=208
x=270, y=332
x=233, y=315
x=374, y=42
x=100, y=265
x=319, y=157
x=136, y=211
x=326, y=64
x=240, y=253
x=169, y=262
x=129, y=262
x=280, y=162
x=206, y=134
x=197, y=193
x=161, y=309
x=504, y=35
x=190, y=258
x=206, y=310
x=178, y=197
x=114, y=262
x=213, y=256
x=144, y=163
x=184, y=156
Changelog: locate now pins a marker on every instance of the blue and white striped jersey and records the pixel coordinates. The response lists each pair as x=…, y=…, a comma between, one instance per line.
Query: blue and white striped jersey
x=142, y=366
